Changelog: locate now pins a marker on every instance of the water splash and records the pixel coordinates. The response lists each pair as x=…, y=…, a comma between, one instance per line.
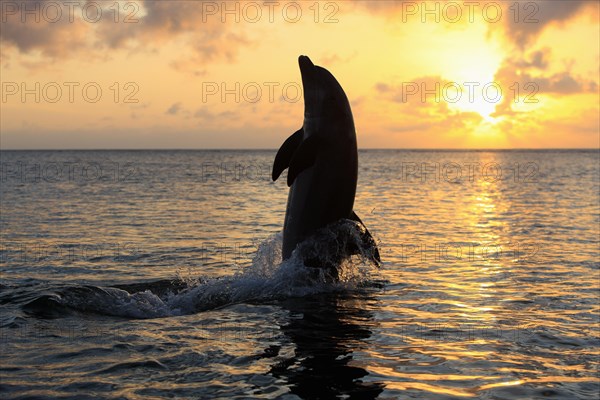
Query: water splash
x=266, y=279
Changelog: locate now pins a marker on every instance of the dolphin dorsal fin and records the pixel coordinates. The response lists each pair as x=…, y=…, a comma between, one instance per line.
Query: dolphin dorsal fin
x=304, y=157
x=286, y=152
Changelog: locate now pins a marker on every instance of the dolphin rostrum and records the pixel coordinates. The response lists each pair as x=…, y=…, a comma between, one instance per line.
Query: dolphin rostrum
x=322, y=162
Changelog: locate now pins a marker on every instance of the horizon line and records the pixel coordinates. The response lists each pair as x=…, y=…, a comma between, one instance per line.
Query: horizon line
x=276, y=148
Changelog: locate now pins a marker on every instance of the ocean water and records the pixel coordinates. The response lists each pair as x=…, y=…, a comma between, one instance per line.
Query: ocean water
x=157, y=274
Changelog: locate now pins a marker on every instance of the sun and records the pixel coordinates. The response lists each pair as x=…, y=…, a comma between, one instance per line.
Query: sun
x=470, y=76
x=479, y=104
x=474, y=89
x=470, y=98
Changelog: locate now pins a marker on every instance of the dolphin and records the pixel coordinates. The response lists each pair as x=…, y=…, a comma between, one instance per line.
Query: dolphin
x=322, y=162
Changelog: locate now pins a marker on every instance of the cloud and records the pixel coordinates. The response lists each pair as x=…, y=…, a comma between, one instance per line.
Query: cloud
x=417, y=91
x=334, y=58
x=357, y=102
x=174, y=109
x=382, y=87
x=525, y=21
x=517, y=74
x=560, y=83
x=520, y=22
x=26, y=26
x=425, y=115
x=139, y=26
x=537, y=59
x=206, y=116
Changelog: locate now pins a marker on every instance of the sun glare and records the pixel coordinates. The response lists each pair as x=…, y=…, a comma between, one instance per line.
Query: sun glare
x=482, y=101
x=471, y=85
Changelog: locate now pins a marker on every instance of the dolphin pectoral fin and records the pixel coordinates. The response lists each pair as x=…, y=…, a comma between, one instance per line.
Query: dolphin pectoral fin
x=367, y=240
x=304, y=157
x=286, y=152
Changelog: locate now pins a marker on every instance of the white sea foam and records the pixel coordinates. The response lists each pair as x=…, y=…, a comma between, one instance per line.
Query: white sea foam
x=267, y=278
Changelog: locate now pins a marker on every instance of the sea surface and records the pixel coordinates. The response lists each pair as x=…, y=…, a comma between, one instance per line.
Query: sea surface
x=158, y=274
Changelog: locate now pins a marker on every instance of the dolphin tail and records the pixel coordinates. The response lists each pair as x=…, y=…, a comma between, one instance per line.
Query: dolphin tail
x=367, y=241
x=286, y=152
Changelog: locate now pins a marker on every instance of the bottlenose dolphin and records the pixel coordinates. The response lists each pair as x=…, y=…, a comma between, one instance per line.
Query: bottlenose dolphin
x=322, y=162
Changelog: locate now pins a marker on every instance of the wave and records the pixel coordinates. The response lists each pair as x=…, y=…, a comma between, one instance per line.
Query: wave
x=266, y=279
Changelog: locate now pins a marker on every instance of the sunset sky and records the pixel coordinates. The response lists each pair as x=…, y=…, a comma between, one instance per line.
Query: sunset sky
x=161, y=67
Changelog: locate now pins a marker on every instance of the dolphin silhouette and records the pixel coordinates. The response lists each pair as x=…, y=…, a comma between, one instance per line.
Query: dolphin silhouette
x=322, y=162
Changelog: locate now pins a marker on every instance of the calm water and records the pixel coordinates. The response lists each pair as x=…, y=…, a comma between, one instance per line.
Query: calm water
x=157, y=274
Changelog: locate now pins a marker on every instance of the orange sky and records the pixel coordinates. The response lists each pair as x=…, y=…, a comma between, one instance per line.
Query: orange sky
x=134, y=74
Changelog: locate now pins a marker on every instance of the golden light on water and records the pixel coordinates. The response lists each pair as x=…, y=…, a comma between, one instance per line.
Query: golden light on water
x=473, y=305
